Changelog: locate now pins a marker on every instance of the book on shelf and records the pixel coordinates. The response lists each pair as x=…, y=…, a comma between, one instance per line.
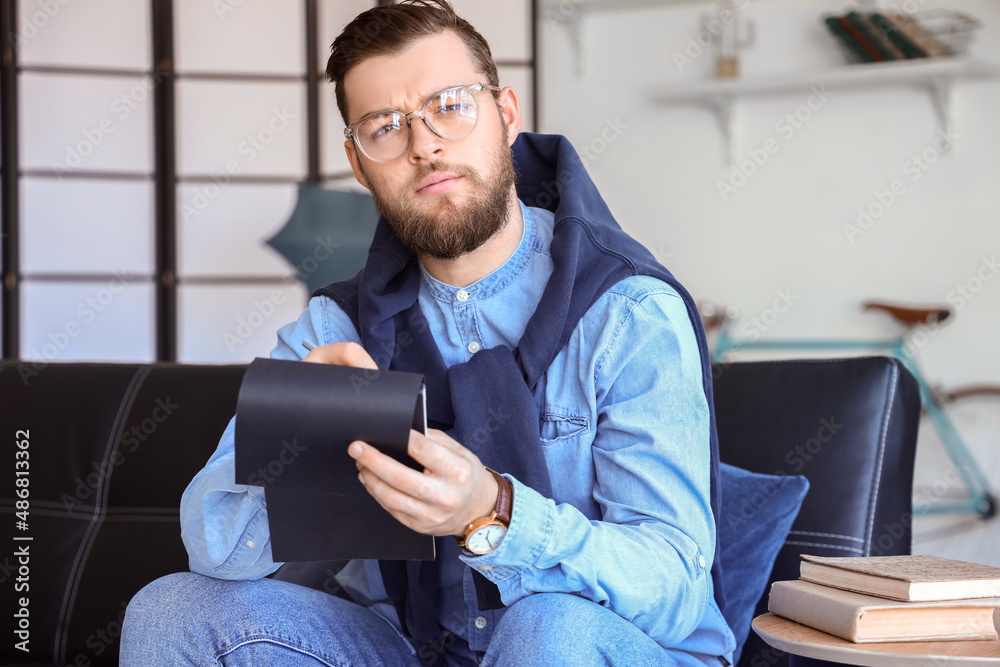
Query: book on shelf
x=895, y=36
x=836, y=27
x=906, y=578
x=867, y=619
x=878, y=37
x=871, y=35
x=921, y=38
x=864, y=47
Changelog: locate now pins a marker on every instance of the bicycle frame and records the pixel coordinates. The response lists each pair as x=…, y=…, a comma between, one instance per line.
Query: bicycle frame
x=974, y=479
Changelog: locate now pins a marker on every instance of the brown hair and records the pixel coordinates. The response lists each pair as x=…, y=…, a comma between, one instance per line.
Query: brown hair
x=391, y=28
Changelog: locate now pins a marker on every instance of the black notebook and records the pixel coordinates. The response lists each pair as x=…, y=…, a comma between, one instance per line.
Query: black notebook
x=294, y=421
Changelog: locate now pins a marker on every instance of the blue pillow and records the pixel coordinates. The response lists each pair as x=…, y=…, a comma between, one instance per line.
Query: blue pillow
x=755, y=514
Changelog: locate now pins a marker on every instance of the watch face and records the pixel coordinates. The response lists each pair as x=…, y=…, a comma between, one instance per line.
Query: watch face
x=484, y=540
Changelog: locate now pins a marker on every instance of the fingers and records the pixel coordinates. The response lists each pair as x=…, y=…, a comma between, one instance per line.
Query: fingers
x=341, y=354
x=374, y=464
x=439, y=453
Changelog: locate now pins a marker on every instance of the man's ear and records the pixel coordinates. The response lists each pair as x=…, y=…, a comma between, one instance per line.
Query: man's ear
x=510, y=113
x=355, y=160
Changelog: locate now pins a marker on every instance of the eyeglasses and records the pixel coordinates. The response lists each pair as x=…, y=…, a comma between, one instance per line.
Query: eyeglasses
x=450, y=114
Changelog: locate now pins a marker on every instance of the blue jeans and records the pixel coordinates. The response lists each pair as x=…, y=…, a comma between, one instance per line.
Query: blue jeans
x=189, y=619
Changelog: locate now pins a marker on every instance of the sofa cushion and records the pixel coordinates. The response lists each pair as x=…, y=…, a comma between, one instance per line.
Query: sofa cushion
x=755, y=514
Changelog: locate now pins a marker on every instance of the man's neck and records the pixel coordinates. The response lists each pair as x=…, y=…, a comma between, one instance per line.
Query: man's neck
x=484, y=260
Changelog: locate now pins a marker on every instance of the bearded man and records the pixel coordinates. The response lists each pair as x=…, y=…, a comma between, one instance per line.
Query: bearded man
x=578, y=528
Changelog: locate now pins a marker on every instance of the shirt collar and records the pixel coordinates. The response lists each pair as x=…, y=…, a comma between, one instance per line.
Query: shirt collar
x=492, y=283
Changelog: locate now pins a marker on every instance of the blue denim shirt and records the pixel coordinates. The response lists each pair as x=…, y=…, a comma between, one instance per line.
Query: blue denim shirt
x=624, y=429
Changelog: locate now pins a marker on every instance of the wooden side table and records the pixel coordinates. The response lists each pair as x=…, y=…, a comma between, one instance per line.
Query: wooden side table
x=799, y=639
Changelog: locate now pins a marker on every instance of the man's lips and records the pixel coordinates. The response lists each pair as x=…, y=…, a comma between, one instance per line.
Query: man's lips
x=438, y=182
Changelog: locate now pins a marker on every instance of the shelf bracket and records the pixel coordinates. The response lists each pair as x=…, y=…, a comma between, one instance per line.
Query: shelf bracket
x=722, y=109
x=940, y=90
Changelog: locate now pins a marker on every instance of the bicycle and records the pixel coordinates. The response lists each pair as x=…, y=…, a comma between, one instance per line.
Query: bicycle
x=960, y=417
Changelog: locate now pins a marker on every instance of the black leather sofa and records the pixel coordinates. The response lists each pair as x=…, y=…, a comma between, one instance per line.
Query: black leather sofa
x=110, y=448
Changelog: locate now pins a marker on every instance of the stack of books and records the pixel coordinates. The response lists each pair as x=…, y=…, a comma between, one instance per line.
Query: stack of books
x=891, y=598
x=877, y=37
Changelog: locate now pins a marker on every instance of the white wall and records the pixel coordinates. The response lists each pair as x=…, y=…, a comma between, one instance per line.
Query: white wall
x=784, y=229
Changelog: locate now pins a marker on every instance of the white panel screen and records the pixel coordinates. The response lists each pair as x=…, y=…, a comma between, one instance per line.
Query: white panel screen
x=247, y=36
x=86, y=123
x=241, y=128
x=235, y=324
x=506, y=26
x=226, y=234
x=97, y=321
x=80, y=225
x=333, y=15
x=95, y=33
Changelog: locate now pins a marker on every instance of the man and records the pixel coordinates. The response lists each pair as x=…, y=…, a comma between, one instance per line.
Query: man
x=594, y=545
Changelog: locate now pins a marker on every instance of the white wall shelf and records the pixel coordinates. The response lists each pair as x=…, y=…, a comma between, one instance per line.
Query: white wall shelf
x=936, y=75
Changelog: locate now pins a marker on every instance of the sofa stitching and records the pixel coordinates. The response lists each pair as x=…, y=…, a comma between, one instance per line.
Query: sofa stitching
x=877, y=479
x=825, y=546
x=843, y=537
x=100, y=509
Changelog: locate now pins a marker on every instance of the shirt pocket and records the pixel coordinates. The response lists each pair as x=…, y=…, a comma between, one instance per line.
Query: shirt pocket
x=557, y=426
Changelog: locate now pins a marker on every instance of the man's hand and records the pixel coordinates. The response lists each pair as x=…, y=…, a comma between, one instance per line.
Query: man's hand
x=453, y=490
x=341, y=354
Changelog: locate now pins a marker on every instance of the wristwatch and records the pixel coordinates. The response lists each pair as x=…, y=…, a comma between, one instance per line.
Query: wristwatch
x=483, y=535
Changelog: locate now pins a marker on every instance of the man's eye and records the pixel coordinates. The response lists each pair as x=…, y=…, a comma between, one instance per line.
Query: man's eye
x=382, y=131
x=453, y=107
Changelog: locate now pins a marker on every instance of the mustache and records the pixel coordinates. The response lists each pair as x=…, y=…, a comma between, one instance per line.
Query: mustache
x=425, y=169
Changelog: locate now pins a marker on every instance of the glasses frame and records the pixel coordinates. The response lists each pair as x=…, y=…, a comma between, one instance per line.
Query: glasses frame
x=349, y=131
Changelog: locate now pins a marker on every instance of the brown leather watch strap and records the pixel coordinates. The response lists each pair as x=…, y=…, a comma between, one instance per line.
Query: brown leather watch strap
x=505, y=497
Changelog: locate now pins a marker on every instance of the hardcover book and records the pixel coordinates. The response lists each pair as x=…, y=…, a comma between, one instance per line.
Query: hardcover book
x=867, y=619
x=908, y=578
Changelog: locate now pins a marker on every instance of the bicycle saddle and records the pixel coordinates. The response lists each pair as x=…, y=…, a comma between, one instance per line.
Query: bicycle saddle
x=910, y=316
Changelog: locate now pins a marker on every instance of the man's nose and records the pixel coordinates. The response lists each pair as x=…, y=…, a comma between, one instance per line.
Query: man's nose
x=424, y=144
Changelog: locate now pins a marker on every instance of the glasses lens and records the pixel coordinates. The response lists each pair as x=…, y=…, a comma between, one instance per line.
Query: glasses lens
x=452, y=113
x=383, y=137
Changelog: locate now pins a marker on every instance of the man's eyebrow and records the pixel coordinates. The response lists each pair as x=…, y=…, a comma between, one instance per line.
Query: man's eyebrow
x=423, y=100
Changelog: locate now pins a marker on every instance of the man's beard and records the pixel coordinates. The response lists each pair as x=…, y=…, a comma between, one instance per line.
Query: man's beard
x=451, y=230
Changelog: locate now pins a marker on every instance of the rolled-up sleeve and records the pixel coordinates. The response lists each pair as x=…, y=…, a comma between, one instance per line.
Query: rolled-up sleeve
x=647, y=557
x=224, y=524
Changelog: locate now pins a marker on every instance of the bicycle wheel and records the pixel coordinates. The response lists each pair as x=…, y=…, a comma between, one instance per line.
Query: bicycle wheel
x=975, y=414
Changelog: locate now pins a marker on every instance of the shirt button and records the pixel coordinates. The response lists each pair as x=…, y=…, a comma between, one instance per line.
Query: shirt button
x=474, y=347
x=701, y=561
x=461, y=295
x=486, y=568
x=250, y=544
x=480, y=622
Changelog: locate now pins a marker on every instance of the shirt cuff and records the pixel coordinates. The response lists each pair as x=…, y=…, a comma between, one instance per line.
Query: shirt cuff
x=251, y=555
x=529, y=534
